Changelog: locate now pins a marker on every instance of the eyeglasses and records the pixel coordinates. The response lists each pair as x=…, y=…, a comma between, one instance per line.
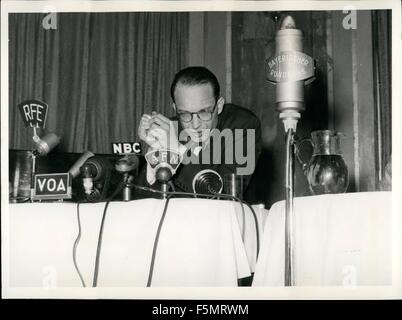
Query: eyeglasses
x=202, y=115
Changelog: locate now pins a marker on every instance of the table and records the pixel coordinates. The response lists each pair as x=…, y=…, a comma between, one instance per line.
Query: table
x=200, y=243
x=340, y=240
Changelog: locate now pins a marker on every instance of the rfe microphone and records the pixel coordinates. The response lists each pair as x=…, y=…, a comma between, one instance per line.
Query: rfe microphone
x=46, y=144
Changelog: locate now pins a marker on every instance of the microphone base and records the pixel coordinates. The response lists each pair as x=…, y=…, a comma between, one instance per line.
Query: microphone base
x=127, y=194
x=164, y=189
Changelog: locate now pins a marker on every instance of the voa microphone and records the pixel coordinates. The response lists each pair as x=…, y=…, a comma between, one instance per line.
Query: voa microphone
x=95, y=170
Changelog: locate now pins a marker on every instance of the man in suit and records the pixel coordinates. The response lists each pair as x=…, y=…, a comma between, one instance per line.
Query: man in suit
x=206, y=132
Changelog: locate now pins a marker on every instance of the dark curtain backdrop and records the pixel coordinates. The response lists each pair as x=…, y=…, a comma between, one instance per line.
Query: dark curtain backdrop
x=98, y=72
x=382, y=53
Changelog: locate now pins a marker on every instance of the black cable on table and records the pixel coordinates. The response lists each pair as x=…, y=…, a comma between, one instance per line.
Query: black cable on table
x=77, y=240
x=171, y=185
x=170, y=194
x=99, y=245
x=76, y=244
x=156, y=241
x=227, y=196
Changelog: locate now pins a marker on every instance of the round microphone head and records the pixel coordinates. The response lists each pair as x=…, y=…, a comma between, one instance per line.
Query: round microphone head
x=163, y=174
x=207, y=182
x=127, y=163
x=97, y=166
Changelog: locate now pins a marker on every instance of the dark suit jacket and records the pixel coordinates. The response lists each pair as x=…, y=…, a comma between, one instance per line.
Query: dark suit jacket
x=232, y=117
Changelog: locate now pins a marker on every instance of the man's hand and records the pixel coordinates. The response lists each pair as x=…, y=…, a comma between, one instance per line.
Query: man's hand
x=158, y=132
x=144, y=128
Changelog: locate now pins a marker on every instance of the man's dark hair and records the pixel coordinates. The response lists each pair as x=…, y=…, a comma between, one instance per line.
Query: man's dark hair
x=193, y=76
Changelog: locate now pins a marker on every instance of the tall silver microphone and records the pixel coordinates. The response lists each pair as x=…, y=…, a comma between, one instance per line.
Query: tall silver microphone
x=290, y=69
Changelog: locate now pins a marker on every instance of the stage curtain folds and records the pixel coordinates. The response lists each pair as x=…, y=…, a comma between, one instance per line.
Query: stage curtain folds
x=98, y=72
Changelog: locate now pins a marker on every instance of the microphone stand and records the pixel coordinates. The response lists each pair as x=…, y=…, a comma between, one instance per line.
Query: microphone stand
x=163, y=176
x=33, y=175
x=164, y=189
x=126, y=165
x=33, y=155
x=289, y=186
x=126, y=189
x=290, y=70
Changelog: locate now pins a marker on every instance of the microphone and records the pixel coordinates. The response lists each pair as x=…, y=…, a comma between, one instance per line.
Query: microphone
x=290, y=69
x=93, y=170
x=75, y=169
x=163, y=173
x=46, y=144
x=163, y=163
x=207, y=181
x=125, y=165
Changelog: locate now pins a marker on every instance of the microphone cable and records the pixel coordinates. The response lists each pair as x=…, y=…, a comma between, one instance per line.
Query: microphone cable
x=171, y=185
x=106, y=184
x=77, y=240
x=227, y=196
x=156, y=242
x=99, y=245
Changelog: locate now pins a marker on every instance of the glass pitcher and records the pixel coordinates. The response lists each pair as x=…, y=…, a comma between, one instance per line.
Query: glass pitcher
x=20, y=169
x=326, y=171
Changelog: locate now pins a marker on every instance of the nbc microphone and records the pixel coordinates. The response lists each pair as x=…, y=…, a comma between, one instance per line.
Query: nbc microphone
x=126, y=165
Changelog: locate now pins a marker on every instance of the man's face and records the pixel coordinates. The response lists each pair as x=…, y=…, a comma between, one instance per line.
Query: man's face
x=197, y=98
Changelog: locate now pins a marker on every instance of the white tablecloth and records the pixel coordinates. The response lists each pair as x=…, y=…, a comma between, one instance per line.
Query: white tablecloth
x=340, y=240
x=200, y=243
